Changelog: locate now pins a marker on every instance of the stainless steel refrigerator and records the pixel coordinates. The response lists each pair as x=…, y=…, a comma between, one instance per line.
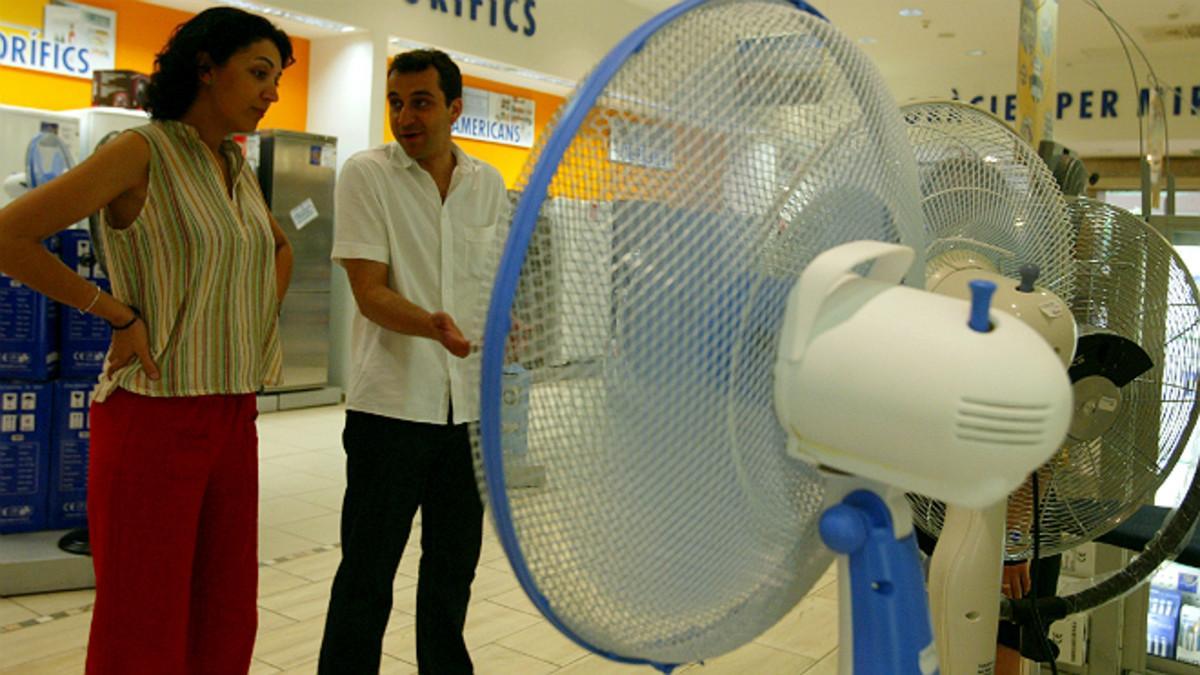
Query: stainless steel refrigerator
x=297, y=173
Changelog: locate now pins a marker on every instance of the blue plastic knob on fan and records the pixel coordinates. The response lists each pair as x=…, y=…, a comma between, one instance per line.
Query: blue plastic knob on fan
x=981, y=303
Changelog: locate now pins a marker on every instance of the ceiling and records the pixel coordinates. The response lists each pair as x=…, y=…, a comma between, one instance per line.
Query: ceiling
x=289, y=26
x=964, y=46
x=948, y=29
x=918, y=48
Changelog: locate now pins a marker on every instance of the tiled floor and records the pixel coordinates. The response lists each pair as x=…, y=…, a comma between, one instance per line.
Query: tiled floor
x=302, y=477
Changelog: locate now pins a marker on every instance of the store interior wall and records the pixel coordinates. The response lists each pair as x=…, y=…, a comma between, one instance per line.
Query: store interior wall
x=346, y=86
x=142, y=30
x=567, y=39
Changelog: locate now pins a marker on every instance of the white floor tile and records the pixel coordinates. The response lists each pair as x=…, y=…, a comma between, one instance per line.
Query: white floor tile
x=259, y=668
x=274, y=543
x=45, y=640
x=272, y=580
x=49, y=603
x=826, y=666
x=317, y=567
x=276, y=511
x=289, y=483
x=488, y=622
x=517, y=600
x=490, y=583
x=291, y=645
x=329, y=497
x=11, y=612
x=755, y=658
x=304, y=602
x=71, y=661
x=546, y=643
x=598, y=665
x=326, y=529
x=810, y=630
x=494, y=659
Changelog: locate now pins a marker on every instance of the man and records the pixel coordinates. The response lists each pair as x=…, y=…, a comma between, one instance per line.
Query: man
x=415, y=224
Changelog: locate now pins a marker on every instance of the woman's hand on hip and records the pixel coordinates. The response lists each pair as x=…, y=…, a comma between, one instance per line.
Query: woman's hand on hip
x=129, y=344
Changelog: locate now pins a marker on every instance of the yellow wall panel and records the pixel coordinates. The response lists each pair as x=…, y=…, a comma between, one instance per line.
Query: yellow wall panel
x=142, y=30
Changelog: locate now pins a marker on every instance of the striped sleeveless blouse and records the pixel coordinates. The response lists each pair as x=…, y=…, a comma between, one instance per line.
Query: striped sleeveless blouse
x=201, y=269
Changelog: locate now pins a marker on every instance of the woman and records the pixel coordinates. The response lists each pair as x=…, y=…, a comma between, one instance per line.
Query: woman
x=198, y=270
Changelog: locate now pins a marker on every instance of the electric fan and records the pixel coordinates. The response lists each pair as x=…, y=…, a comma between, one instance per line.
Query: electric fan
x=1135, y=383
x=46, y=157
x=1135, y=404
x=993, y=210
x=755, y=349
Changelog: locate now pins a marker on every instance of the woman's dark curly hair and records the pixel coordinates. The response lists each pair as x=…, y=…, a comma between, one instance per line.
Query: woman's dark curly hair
x=218, y=32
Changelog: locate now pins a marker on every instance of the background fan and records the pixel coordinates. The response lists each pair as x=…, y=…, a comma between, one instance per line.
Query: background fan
x=1134, y=299
x=739, y=144
x=1134, y=375
x=993, y=210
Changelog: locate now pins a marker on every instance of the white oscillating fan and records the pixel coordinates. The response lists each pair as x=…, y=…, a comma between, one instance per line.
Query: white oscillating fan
x=993, y=211
x=749, y=379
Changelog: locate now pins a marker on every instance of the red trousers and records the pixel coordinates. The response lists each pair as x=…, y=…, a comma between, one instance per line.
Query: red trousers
x=173, y=520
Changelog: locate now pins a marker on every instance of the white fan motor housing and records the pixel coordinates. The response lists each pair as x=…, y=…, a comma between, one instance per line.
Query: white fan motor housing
x=1044, y=311
x=891, y=384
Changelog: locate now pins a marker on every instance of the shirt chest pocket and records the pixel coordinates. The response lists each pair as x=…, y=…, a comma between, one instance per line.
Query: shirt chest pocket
x=478, y=246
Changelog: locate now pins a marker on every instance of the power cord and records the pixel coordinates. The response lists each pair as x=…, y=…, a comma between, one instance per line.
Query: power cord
x=1038, y=625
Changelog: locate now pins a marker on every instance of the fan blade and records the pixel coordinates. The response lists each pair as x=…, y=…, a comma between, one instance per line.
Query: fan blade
x=1112, y=356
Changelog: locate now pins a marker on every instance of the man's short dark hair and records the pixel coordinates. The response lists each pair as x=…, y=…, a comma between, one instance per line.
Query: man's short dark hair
x=420, y=60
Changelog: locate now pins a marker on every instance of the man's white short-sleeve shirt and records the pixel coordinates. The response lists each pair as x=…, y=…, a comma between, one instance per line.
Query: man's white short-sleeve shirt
x=389, y=211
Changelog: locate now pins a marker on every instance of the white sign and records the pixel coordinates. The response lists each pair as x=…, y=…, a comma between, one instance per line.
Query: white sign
x=498, y=118
x=76, y=40
x=641, y=144
x=304, y=213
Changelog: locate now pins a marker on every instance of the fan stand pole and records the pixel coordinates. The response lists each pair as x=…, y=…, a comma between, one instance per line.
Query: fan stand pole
x=964, y=588
x=883, y=615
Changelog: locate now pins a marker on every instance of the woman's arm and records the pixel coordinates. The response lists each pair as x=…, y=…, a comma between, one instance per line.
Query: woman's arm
x=115, y=168
x=283, y=260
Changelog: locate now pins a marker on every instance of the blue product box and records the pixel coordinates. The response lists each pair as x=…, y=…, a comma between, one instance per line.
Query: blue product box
x=1162, y=621
x=1188, y=581
x=28, y=333
x=69, y=441
x=24, y=455
x=83, y=338
x=1188, y=644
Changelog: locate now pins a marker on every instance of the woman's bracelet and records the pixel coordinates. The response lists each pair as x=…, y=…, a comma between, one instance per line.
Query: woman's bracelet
x=90, y=305
x=136, y=315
